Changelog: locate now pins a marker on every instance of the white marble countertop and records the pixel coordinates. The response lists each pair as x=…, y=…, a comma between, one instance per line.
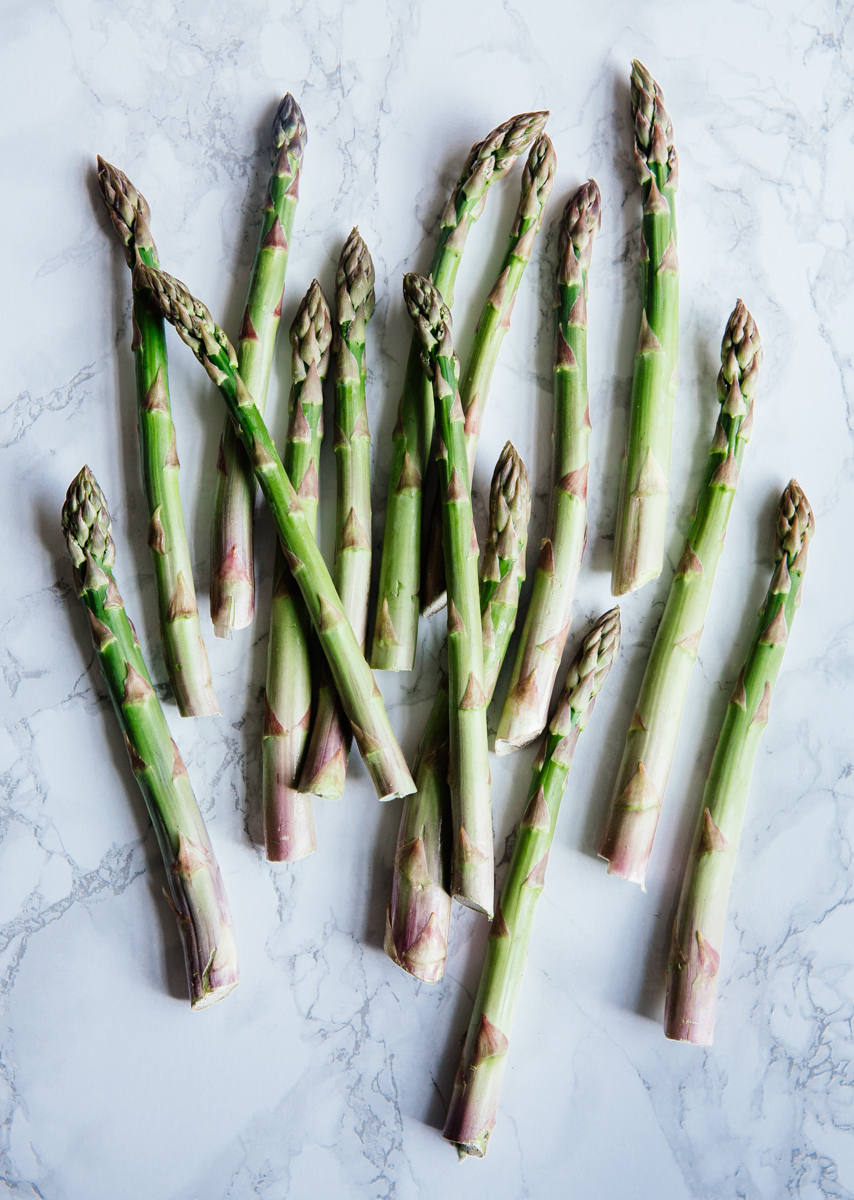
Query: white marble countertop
x=327, y=1073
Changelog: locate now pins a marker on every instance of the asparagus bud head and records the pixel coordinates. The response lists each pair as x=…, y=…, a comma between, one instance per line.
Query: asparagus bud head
x=741, y=360
x=509, y=513
x=653, y=128
x=311, y=334
x=537, y=183
x=581, y=221
x=354, y=280
x=127, y=208
x=429, y=313
x=86, y=522
x=288, y=137
x=795, y=527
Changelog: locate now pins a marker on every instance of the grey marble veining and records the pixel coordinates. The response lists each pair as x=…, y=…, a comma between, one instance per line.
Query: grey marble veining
x=328, y=1071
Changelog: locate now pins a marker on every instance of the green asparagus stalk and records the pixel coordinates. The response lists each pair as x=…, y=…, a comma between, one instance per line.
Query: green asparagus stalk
x=180, y=633
x=395, y=633
x=477, y=1088
x=232, y=556
x=692, y=972
x=288, y=815
x=325, y=768
x=356, y=686
x=472, y=879
x=642, y=509
x=526, y=708
x=196, y=893
x=654, y=728
x=418, y=918
x=537, y=183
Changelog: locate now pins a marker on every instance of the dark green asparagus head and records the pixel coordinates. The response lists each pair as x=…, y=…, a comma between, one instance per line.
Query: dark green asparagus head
x=587, y=674
x=311, y=334
x=431, y=316
x=489, y=161
x=795, y=527
x=581, y=221
x=509, y=513
x=289, y=136
x=741, y=360
x=88, y=531
x=354, y=281
x=127, y=208
x=653, y=129
x=537, y=183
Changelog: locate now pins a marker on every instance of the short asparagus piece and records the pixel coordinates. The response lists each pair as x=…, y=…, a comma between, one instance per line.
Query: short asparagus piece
x=356, y=686
x=325, y=768
x=196, y=891
x=526, y=708
x=477, y=1088
x=183, y=648
x=395, y=633
x=472, y=878
x=418, y=918
x=642, y=508
x=654, y=728
x=537, y=183
x=692, y=973
x=232, y=555
x=288, y=815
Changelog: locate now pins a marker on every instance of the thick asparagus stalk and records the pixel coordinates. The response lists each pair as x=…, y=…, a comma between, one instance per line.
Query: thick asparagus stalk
x=359, y=693
x=654, y=728
x=526, y=708
x=196, y=891
x=418, y=918
x=325, y=768
x=692, y=972
x=474, y=1103
x=232, y=561
x=472, y=878
x=183, y=648
x=288, y=815
x=642, y=509
x=395, y=633
x=537, y=182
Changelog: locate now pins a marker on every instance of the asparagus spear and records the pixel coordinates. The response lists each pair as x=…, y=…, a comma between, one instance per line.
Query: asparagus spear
x=537, y=182
x=359, y=693
x=472, y=879
x=474, y=1102
x=288, y=815
x=396, y=629
x=692, y=972
x=642, y=509
x=232, y=565
x=180, y=632
x=196, y=892
x=654, y=728
x=325, y=768
x=418, y=918
x=547, y=621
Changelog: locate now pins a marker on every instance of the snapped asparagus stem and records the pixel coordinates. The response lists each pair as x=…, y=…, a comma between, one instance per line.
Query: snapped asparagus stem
x=232, y=553
x=692, y=972
x=537, y=183
x=472, y=876
x=288, y=815
x=418, y=917
x=196, y=893
x=325, y=769
x=477, y=1088
x=526, y=707
x=356, y=686
x=180, y=632
x=642, y=507
x=396, y=629
x=654, y=727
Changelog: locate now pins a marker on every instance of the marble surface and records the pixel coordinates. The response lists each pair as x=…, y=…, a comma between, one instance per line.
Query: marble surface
x=328, y=1071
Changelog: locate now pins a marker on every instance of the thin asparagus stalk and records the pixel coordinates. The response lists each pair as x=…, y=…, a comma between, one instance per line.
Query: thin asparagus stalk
x=477, y=1088
x=396, y=630
x=418, y=918
x=537, y=183
x=654, y=728
x=642, y=509
x=526, y=708
x=325, y=769
x=692, y=973
x=196, y=893
x=288, y=815
x=183, y=648
x=356, y=686
x=472, y=877
x=232, y=554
